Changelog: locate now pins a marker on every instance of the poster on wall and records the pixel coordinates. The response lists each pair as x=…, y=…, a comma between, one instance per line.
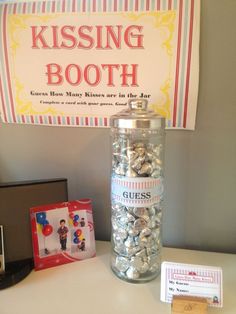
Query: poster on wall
x=77, y=62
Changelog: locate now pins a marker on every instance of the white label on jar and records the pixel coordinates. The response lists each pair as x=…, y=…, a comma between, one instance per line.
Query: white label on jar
x=136, y=192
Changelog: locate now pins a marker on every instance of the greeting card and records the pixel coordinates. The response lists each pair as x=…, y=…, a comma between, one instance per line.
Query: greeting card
x=62, y=233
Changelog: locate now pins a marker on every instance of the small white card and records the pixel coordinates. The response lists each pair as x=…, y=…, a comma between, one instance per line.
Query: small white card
x=193, y=280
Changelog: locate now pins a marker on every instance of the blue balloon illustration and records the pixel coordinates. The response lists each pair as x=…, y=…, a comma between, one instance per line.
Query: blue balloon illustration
x=76, y=217
x=40, y=217
x=76, y=240
x=45, y=222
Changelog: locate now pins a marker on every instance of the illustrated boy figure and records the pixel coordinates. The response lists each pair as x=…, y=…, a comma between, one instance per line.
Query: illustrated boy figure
x=81, y=246
x=82, y=223
x=62, y=231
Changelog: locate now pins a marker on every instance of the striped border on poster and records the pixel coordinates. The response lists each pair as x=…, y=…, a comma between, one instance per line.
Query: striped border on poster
x=148, y=183
x=88, y=6
x=188, y=12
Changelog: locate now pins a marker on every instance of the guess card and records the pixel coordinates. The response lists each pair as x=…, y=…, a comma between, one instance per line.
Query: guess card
x=192, y=280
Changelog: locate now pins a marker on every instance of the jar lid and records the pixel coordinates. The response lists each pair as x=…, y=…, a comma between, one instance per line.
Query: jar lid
x=137, y=116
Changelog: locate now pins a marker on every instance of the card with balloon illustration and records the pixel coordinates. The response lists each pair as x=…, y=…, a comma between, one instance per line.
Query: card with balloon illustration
x=62, y=233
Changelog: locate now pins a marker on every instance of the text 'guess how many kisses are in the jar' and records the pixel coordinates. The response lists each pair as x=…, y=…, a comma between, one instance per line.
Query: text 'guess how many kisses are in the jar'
x=87, y=37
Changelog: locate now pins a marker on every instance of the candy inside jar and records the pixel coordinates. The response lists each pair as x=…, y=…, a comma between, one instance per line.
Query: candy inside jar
x=137, y=192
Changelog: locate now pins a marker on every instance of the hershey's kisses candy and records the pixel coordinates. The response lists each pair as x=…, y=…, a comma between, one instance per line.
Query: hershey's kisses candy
x=136, y=238
x=136, y=160
x=140, y=224
x=131, y=155
x=157, y=150
x=144, y=268
x=137, y=182
x=136, y=230
x=122, y=263
x=152, y=222
x=148, y=252
x=120, y=249
x=120, y=169
x=138, y=145
x=131, y=251
x=145, y=233
x=130, y=217
x=118, y=208
x=141, y=253
x=132, y=231
x=158, y=217
x=122, y=233
x=129, y=242
x=157, y=172
x=136, y=262
x=140, y=150
x=122, y=220
x=144, y=241
x=132, y=273
x=137, y=163
x=131, y=173
x=156, y=163
x=115, y=226
x=140, y=211
x=152, y=211
x=146, y=169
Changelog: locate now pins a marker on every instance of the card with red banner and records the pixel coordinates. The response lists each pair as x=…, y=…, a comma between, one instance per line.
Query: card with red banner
x=62, y=233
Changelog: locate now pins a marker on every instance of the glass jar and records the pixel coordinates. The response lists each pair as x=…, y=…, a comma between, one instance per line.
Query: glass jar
x=137, y=192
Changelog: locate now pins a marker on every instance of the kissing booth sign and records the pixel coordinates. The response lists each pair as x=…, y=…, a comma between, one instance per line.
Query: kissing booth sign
x=77, y=62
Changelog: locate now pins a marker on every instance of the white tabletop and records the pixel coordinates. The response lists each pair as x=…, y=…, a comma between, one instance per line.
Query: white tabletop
x=89, y=286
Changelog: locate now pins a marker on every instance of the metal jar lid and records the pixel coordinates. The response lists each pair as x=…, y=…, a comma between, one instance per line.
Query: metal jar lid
x=137, y=116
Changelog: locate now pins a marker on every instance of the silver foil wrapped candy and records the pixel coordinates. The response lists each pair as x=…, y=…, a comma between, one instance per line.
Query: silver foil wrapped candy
x=137, y=192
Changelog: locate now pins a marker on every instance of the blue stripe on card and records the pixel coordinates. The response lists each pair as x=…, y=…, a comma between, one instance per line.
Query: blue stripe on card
x=153, y=4
x=28, y=119
x=163, y=5
x=58, y=9
x=120, y=5
x=18, y=118
x=131, y=5
x=63, y=120
x=78, y=5
x=49, y=6
x=19, y=8
x=110, y=6
x=175, y=5
x=141, y=5
x=81, y=120
x=69, y=6
x=88, y=6
x=38, y=8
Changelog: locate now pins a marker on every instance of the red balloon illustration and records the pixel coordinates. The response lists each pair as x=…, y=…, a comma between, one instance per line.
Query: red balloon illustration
x=47, y=230
x=71, y=215
x=78, y=232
